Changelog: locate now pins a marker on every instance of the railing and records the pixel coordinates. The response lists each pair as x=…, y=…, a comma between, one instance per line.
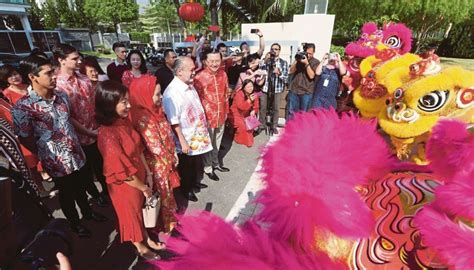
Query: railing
x=16, y=42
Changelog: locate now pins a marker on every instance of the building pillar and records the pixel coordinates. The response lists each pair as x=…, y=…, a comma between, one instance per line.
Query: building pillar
x=27, y=27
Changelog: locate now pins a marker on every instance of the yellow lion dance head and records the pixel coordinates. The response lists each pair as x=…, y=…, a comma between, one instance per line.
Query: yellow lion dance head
x=423, y=94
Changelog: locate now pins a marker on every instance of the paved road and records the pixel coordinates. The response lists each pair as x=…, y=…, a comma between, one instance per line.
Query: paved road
x=224, y=198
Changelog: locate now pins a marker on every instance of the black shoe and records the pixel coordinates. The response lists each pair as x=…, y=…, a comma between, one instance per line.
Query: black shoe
x=96, y=217
x=275, y=131
x=213, y=176
x=101, y=201
x=81, y=230
x=201, y=185
x=221, y=169
x=191, y=196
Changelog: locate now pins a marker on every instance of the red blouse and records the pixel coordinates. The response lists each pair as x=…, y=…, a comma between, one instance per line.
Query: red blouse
x=121, y=148
x=12, y=96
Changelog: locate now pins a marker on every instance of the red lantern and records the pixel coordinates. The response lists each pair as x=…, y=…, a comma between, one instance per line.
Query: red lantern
x=191, y=11
x=214, y=28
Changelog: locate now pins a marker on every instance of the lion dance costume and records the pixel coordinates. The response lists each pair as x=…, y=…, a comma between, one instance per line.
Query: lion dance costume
x=334, y=201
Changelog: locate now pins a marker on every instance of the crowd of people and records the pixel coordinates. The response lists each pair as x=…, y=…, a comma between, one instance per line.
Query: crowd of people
x=144, y=135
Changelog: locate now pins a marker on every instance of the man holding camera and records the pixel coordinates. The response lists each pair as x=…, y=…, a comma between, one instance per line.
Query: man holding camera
x=277, y=69
x=303, y=70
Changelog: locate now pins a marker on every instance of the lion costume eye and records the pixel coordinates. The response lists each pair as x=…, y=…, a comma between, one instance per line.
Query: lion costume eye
x=393, y=42
x=433, y=101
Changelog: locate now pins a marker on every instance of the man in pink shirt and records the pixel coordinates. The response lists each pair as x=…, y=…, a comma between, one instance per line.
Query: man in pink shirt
x=212, y=86
x=81, y=96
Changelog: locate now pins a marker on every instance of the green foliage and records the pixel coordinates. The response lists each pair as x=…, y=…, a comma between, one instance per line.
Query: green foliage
x=160, y=16
x=426, y=18
x=338, y=49
x=459, y=43
x=143, y=37
x=35, y=16
x=55, y=12
x=111, y=12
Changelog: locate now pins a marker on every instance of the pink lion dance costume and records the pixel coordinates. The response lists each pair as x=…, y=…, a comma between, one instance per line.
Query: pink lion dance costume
x=395, y=37
x=336, y=199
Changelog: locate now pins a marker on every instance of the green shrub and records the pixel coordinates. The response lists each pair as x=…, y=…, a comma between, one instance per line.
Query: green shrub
x=142, y=37
x=459, y=42
x=338, y=49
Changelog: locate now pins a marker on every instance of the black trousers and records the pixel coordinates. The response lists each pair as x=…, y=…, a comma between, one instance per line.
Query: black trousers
x=263, y=109
x=190, y=170
x=71, y=191
x=94, y=166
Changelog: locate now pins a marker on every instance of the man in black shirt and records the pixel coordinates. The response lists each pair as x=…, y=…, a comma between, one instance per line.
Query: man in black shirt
x=164, y=74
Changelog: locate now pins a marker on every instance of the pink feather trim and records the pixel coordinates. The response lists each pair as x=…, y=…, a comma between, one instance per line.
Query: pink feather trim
x=312, y=172
x=209, y=243
x=454, y=242
x=450, y=150
x=369, y=28
x=457, y=197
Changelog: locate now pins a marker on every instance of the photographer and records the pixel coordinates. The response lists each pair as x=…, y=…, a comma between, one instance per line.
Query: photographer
x=242, y=60
x=330, y=70
x=304, y=79
x=277, y=69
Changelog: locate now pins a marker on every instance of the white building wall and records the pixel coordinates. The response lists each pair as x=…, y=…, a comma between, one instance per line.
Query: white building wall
x=309, y=28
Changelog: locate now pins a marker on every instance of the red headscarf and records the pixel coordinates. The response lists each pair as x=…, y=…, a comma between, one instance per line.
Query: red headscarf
x=141, y=92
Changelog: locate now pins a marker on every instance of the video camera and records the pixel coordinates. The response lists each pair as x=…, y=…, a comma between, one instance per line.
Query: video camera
x=300, y=56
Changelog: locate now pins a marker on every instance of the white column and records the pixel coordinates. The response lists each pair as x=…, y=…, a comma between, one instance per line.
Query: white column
x=27, y=27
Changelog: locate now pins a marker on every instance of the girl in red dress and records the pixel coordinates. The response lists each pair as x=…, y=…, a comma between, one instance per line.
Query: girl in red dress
x=137, y=67
x=148, y=118
x=245, y=104
x=125, y=167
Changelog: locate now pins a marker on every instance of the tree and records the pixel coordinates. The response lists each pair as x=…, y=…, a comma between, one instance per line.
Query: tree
x=160, y=16
x=35, y=16
x=111, y=12
x=425, y=17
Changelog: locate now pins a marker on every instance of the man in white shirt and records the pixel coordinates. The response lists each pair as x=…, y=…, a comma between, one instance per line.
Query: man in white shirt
x=187, y=118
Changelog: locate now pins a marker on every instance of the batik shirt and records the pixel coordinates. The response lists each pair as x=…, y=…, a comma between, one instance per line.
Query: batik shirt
x=212, y=90
x=81, y=95
x=48, y=121
x=183, y=107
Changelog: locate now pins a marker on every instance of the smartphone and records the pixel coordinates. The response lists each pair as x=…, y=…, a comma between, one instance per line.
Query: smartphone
x=253, y=31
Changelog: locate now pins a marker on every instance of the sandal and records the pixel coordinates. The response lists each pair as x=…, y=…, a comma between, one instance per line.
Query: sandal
x=148, y=256
x=156, y=245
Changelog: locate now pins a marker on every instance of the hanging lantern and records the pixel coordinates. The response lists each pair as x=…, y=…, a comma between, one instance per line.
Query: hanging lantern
x=214, y=28
x=191, y=11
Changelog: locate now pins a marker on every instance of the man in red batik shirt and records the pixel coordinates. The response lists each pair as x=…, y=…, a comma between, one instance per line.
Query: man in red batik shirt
x=212, y=86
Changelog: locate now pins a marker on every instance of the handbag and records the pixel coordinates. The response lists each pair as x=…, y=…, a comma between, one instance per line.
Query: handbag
x=151, y=211
x=251, y=122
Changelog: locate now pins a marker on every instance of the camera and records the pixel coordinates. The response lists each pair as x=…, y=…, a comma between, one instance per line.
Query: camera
x=300, y=56
x=332, y=56
x=253, y=31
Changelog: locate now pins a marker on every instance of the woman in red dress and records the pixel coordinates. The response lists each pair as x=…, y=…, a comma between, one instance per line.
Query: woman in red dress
x=245, y=104
x=148, y=118
x=12, y=84
x=137, y=67
x=124, y=165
